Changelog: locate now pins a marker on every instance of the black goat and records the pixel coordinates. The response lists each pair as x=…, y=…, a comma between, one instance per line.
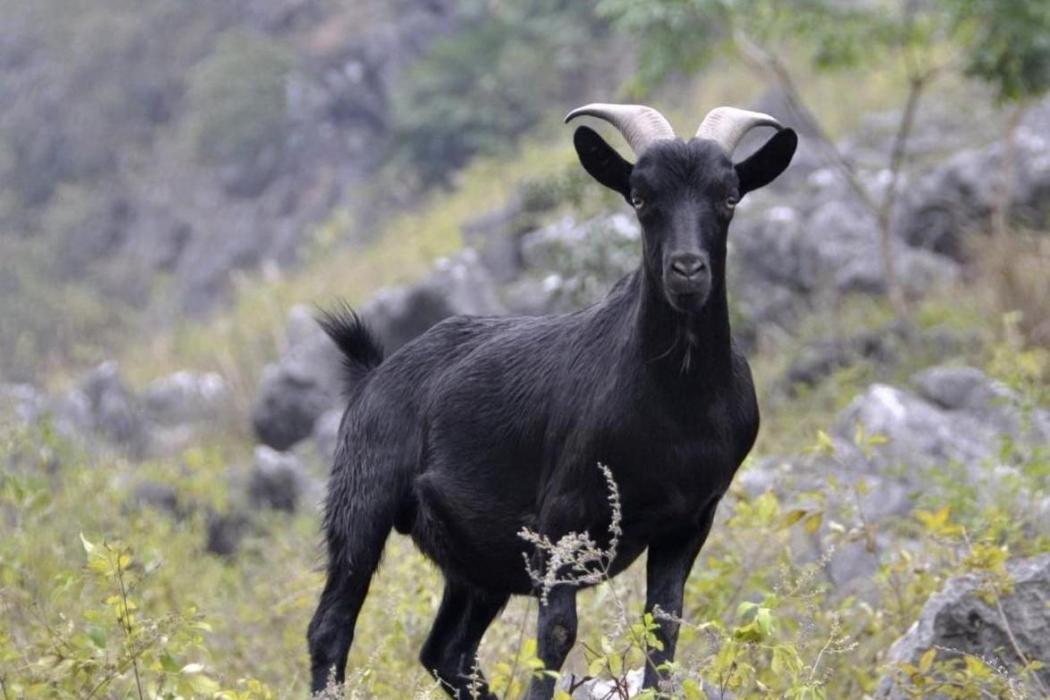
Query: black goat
x=483, y=426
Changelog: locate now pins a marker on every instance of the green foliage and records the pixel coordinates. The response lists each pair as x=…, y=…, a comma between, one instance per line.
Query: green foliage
x=138, y=594
x=237, y=99
x=44, y=325
x=1007, y=44
x=477, y=92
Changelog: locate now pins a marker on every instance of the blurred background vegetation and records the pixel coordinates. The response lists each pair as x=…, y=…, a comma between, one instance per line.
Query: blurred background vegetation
x=176, y=177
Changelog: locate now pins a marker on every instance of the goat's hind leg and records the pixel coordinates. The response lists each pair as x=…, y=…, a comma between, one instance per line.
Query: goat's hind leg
x=331, y=630
x=355, y=545
x=451, y=649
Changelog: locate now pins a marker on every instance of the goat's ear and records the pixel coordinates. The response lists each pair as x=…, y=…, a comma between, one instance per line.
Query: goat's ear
x=602, y=161
x=765, y=165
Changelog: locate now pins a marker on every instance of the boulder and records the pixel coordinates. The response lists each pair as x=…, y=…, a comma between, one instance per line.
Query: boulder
x=578, y=263
x=496, y=236
x=23, y=401
x=822, y=358
x=957, y=198
x=959, y=388
x=458, y=285
x=226, y=532
x=153, y=494
x=955, y=422
x=918, y=432
x=958, y=621
x=113, y=412
x=186, y=398
x=306, y=382
x=810, y=248
x=277, y=481
x=971, y=390
x=301, y=386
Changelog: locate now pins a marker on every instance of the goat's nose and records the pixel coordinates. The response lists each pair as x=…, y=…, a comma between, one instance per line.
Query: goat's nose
x=688, y=265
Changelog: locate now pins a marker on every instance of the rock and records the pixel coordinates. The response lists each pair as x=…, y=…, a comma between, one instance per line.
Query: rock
x=822, y=358
x=458, y=285
x=153, y=494
x=186, y=398
x=72, y=414
x=115, y=413
x=957, y=198
x=295, y=391
x=579, y=263
x=597, y=689
x=496, y=236
x=958, y=621
x=814, y=250
x=307, y=381
x=24, y=401
x=226, y=532
x=277, y=481
x=326, y=433
x=959, y=388
x=918, y=433
x=970, y=390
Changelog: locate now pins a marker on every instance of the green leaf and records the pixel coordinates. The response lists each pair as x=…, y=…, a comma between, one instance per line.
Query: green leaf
x=926, y=661
x=813, y=521
x=97, y=635
x=793, y=517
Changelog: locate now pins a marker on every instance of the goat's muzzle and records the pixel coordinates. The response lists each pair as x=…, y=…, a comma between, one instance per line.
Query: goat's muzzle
x=687, y=281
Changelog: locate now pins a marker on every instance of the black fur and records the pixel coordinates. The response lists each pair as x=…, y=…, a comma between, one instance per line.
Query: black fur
x=483, y=426
x=362, y=352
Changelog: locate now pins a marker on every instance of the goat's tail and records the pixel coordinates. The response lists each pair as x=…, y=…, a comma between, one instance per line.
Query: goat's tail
x=362, y=351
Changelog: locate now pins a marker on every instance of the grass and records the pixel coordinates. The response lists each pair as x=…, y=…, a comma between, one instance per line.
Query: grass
x=238, y=624
x=762, y=620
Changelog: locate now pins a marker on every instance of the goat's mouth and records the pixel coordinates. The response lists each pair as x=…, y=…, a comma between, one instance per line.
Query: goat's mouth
x=688, y=298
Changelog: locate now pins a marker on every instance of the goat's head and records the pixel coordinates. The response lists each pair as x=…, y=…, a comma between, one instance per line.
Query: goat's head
x=683, y=192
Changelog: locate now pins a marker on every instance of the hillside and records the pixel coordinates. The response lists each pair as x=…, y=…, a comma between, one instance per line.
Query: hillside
x=169, y=407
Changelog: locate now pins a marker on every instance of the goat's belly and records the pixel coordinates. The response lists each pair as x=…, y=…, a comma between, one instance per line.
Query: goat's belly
x=471, y=540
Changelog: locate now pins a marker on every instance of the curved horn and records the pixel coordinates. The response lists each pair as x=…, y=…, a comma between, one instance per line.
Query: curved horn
x=639, y=124
x=727, y=125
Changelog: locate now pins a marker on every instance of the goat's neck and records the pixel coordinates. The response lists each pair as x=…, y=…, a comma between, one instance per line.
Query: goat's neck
x=694, y=348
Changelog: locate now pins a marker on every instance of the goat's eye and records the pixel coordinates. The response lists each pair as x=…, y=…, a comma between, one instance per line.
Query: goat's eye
x=732, y=201
x=637, y=202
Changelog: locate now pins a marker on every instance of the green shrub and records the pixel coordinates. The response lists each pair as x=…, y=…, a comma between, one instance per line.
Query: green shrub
x=237, y=99
x=478, y=92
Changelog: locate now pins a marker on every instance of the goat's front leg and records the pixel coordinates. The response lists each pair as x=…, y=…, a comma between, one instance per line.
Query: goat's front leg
x=668, y=567
x=555, y=635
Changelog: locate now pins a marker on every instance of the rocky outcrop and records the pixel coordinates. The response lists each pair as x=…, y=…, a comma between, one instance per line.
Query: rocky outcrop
x=185, y=398
x=954, y=423
x=125, y=177
x=959, y=621
x=297, y=389
x=279, y=481
x=102, y=410
x=957, y=198
x=306, y=382
x=883, y=347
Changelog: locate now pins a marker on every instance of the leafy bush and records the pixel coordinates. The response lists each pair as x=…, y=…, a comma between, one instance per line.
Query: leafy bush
x=478, y=92
x=237, y=99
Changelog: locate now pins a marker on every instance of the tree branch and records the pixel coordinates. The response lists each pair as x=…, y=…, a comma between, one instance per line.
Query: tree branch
x=763, y=61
